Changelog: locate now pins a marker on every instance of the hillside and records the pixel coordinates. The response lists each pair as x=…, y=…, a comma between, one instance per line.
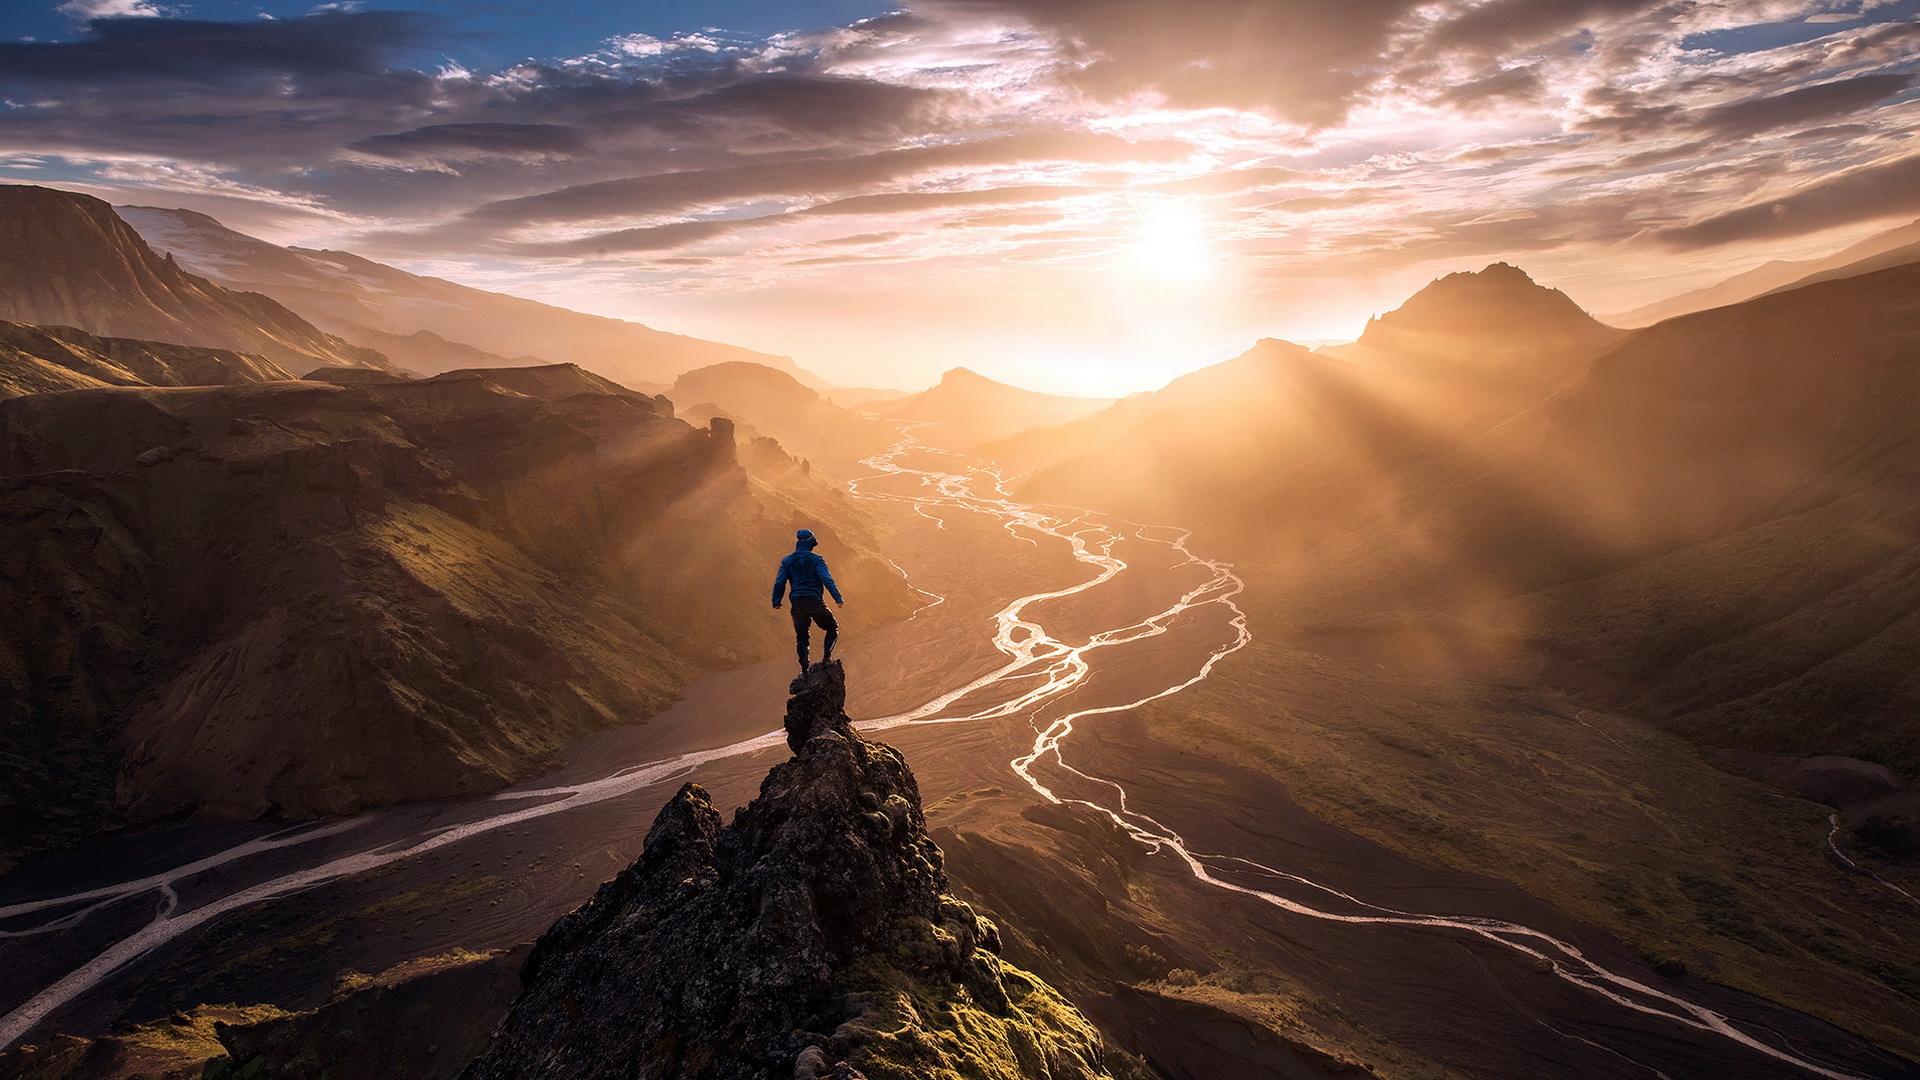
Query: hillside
x=1716, y=528
x=377, y=305
x=35, y=359
x=1282, y=447
x=310, y=598
x=965, y=409
x=1877, y=252
x=67, y=260
x=778, y=405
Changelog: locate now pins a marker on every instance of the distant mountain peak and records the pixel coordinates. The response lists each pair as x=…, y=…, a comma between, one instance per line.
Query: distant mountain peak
x=1494, y=310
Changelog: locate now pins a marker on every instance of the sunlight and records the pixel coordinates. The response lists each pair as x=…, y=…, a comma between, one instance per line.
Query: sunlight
x=1170, y=244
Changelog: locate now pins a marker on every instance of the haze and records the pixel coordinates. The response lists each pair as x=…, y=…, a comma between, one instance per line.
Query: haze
x=1077, y=197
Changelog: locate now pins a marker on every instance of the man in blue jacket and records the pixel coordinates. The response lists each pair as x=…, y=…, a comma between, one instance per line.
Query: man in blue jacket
x=806, y=574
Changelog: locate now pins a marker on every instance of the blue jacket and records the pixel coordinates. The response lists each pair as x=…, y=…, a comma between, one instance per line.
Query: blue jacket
x=806, y=573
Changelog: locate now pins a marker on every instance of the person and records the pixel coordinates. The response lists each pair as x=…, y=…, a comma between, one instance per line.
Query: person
x=804, y=574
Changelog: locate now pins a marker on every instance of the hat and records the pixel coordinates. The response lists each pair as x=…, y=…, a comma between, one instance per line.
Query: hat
x=803, y=534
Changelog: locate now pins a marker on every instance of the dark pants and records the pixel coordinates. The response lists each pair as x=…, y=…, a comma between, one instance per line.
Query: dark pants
x=806, y=611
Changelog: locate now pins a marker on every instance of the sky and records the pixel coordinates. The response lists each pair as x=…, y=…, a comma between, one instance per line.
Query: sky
x=1074, y=195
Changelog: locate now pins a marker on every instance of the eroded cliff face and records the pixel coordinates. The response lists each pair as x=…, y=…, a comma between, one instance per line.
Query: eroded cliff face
x=812, y=937
x=67, y=260
x=313, y=598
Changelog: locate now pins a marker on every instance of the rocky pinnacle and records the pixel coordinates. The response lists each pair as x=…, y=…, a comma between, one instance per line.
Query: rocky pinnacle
x=811, y=938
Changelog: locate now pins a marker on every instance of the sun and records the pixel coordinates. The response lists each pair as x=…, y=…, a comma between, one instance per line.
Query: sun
x=1171, y=244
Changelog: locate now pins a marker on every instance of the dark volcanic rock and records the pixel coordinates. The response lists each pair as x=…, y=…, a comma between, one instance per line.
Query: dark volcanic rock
x=421, y=1020
x=812, y=937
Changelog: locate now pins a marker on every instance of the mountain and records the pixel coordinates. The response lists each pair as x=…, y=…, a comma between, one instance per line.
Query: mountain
x=307, y=598
x=1495, y=325
x=1281, y=447
x=813, y=937
x=965, y=409
x=1900, y=256
x=67, y=260
x=1716, y=529
x=864, y=398
x=36, y=359
x=380, y=306
x=1876, y=252
x=779, y=406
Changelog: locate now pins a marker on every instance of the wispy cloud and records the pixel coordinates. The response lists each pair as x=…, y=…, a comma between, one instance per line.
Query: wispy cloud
x=966, y=142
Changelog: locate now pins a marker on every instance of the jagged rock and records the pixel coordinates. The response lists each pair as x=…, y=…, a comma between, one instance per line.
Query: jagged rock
x=813, y=937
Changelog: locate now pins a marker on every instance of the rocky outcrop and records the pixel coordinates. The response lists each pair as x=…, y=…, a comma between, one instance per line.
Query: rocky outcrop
x=813, y=937
x=67, y=259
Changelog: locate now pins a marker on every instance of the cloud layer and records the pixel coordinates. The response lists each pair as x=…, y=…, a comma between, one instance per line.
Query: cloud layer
x=930, y=166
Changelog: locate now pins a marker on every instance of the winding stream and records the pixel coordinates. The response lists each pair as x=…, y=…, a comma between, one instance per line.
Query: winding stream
x=1039, y=668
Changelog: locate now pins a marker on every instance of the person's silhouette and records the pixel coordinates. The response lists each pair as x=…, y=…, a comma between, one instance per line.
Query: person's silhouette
x=805, y=575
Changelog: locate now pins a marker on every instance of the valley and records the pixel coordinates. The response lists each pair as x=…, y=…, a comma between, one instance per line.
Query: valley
x=1084, y=700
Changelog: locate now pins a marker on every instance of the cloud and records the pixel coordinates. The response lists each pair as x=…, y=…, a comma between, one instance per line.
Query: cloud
x=102, y=9
x=998, y=140
x=1504, y=27
x=125, y=49
x=1304, y=60
x=1519, y=83
x=470, y=142
x=667, y=237
x=664, y=193
x=1808, y=104
x=1880, y=190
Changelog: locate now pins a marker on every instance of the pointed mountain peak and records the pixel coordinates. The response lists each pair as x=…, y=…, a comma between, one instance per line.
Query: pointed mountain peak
x=1500, y=306
x=962, y=376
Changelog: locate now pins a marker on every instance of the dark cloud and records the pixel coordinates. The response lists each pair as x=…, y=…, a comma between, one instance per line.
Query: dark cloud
x=1513, y=84
x=651, y=238
x=662, y=237
x=1509, y=26
x=120, y=50
x=1808, y=104
x=664, y=193
x=461, y=141
x=816, y=103
x=907, y=202
x=1304, y=60
x=1639, y=116
x=1884, y=189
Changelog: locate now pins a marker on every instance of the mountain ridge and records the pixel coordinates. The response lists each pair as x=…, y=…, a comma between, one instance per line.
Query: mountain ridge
x=67, y=259
x=309, y=598
x=966, y=408
x=368, y=301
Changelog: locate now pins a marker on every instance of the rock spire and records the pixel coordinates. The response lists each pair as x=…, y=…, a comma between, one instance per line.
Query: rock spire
x=813, y=937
